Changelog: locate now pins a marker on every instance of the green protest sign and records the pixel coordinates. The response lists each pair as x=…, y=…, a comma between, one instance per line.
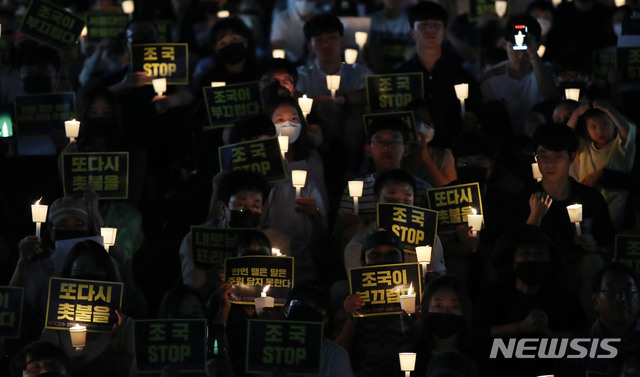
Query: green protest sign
x=628, y=63
x=261, y=156
x=105, y=172
x=212, y=246
x=414, y=226
x=381, y=287
x=454, y=203
x=11, y=301
x=477, y=8
x=291, y=348
x=627, y=250
x=51, y=25
x=393, y=91
x=101, y=25
x=84, y=302
x=175, y=342
x=162, y=60
x=226, y=104
x=251, y=274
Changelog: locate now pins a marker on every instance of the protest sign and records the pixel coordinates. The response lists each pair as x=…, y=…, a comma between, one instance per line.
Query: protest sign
x=261, y=156
x=105, y=172
x=226, y=104
x=51, y=25
x=84, y=302
x=393, y=91
x=381, y=286
x=212, y=246
x=292, y=348
x=11, y=300
x=627, y=251
x=101, y=25
x=414, y=226
x=162, y=60
x=454, y=203
x=406, y=117
x=251, y=274
x=175, y=342
x=628, y=63
x=477, y=8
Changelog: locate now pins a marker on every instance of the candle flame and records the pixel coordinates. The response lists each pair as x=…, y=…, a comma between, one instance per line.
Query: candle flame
x=410, y=291
x=266, y=288
x=38, y=202
x=474, y=211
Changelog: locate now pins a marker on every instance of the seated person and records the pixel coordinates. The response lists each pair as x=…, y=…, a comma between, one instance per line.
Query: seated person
x=38, y=358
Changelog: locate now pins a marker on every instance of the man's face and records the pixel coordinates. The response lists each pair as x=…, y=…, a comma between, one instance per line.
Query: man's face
x=518, y=58
x=284, y=79
x=327, y=46
x=428, y=33
x=383, y=254
x=553, y=165
x=617, y=302
x=36, y=367
x=246, y=199
x=396, y=192
x=386, y=149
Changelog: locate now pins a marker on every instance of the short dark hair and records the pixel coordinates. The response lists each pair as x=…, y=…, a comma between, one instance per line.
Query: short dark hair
x=322, y=24
x=249, y=128
x=555, y=137
x=229, y=25
x=472, y=143
x=39, y=350
x=533, y=27
x=387, y=123
x=427, y=10
x=235, y=181
x=245, y=239
x=282, y=65
x=99, y=255
x=617, y=268
x=393, y=176
x=171, y=301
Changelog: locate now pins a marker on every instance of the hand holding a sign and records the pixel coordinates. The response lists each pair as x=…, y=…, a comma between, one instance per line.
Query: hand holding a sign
x=117, y=336
x=352, y=304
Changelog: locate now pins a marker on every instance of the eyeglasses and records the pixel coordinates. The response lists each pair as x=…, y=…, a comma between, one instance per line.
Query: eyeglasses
x=244, y=206
x=386, y=143
x=613, y=293
x=436, y=25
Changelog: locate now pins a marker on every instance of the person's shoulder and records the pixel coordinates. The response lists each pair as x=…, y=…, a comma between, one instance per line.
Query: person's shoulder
x=410, y=65
x=497, y=70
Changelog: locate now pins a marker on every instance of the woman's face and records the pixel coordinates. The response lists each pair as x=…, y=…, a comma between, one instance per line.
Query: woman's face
x=445, y=300
x=229, y=38
x=85, y=266
x=284, y=113
x=100, y=108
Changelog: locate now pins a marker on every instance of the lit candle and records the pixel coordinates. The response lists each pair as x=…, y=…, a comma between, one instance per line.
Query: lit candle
x=620, y=3
x=575, y=216
x=284, y=144
x=556, y=2
x=128, y=6
x=298, y=179
x=572, y=94
x=423, y=253
x=350, y=55
x=408, y=301
x=223, y=14
x=215, y=347
x=5, y=130
x=333, y=83
x=160, y=86
x=305, y=104
x=264, y=301
x=275, y=252
x=501, y=7
x=475, y=222
x=278, y=53
x=462, y=92
x=215, y=84
x=355, y=191
x=39, y=214
x=78, y=336
x=72, y=129
x=535, y=169
x=108, y=236
x=541, y=50
x=361, y=39
x=407, y=362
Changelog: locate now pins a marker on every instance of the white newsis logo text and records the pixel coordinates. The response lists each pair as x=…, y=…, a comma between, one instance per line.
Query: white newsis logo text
x=555, y=348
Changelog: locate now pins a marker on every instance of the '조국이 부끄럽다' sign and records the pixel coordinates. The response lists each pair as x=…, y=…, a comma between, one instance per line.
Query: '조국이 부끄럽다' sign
x=226, y=104
x=107, y=173
x=51, y=25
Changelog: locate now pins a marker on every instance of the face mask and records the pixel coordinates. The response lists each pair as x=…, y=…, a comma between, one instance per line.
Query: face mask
x=545, y=25
x=36, y=84
x=233, y=53
x=305, y=7
x=532, y=272
x=60, y=235
x=617, y=28
x=444, y=325
x=470, y=174
x=244, y=219
x=426, y=130
x=290, y=129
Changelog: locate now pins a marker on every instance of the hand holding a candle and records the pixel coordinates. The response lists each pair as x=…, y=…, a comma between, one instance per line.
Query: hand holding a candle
x=539, y=204
x=29, y=247
x=307, y=206
x=352, y=304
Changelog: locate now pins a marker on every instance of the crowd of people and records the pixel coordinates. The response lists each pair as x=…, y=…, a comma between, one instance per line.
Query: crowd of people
x=529, y=273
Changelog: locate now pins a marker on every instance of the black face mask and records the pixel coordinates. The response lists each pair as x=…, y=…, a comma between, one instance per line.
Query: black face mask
x=233, y=53
x=60, y=235
x=470, y=174
x=37, y=84
x=444, y=325
x=244, y=219
x=532, y=272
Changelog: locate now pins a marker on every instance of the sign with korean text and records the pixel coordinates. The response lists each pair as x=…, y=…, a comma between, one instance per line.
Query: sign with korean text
x=40, y=121
x=628, y=62
x=162, y=60
x=393, y=91
x=106, y=172
x=477, y=8
x=51, y=25
x=627, y=250
x=83, y=302
x=454, y=203
x=213, y=245
x=415, y=226
x=381, y=286
x=11, y=299
x=176, y=342
x=261, y=156
x=101, y=25
x=249, y=275
x=284, y=347
x=604, y=60
x=226, y=104
x=405, y=116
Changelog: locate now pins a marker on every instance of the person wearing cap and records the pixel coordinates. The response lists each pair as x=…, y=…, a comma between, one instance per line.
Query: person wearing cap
x=523, y=80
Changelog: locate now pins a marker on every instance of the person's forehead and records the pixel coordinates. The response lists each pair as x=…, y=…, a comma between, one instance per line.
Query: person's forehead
x=395, y=185
x=387, y=134
x=281, y=75
x=542, y=149
x=333, y=34
x=617, y=279
x=247, y=195
x=445, y=294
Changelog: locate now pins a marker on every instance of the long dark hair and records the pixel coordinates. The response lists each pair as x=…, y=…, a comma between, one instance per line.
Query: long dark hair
x=300, y=148
x=97, y=253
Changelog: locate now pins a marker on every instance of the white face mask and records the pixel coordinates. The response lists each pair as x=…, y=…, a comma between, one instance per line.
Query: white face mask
x=290, y=129
x=426, y=130
x=617, y=28
x=305, y=7
x=545, y=25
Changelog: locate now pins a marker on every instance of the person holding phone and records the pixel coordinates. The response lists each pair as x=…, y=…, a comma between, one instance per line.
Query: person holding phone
x=522, y=80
